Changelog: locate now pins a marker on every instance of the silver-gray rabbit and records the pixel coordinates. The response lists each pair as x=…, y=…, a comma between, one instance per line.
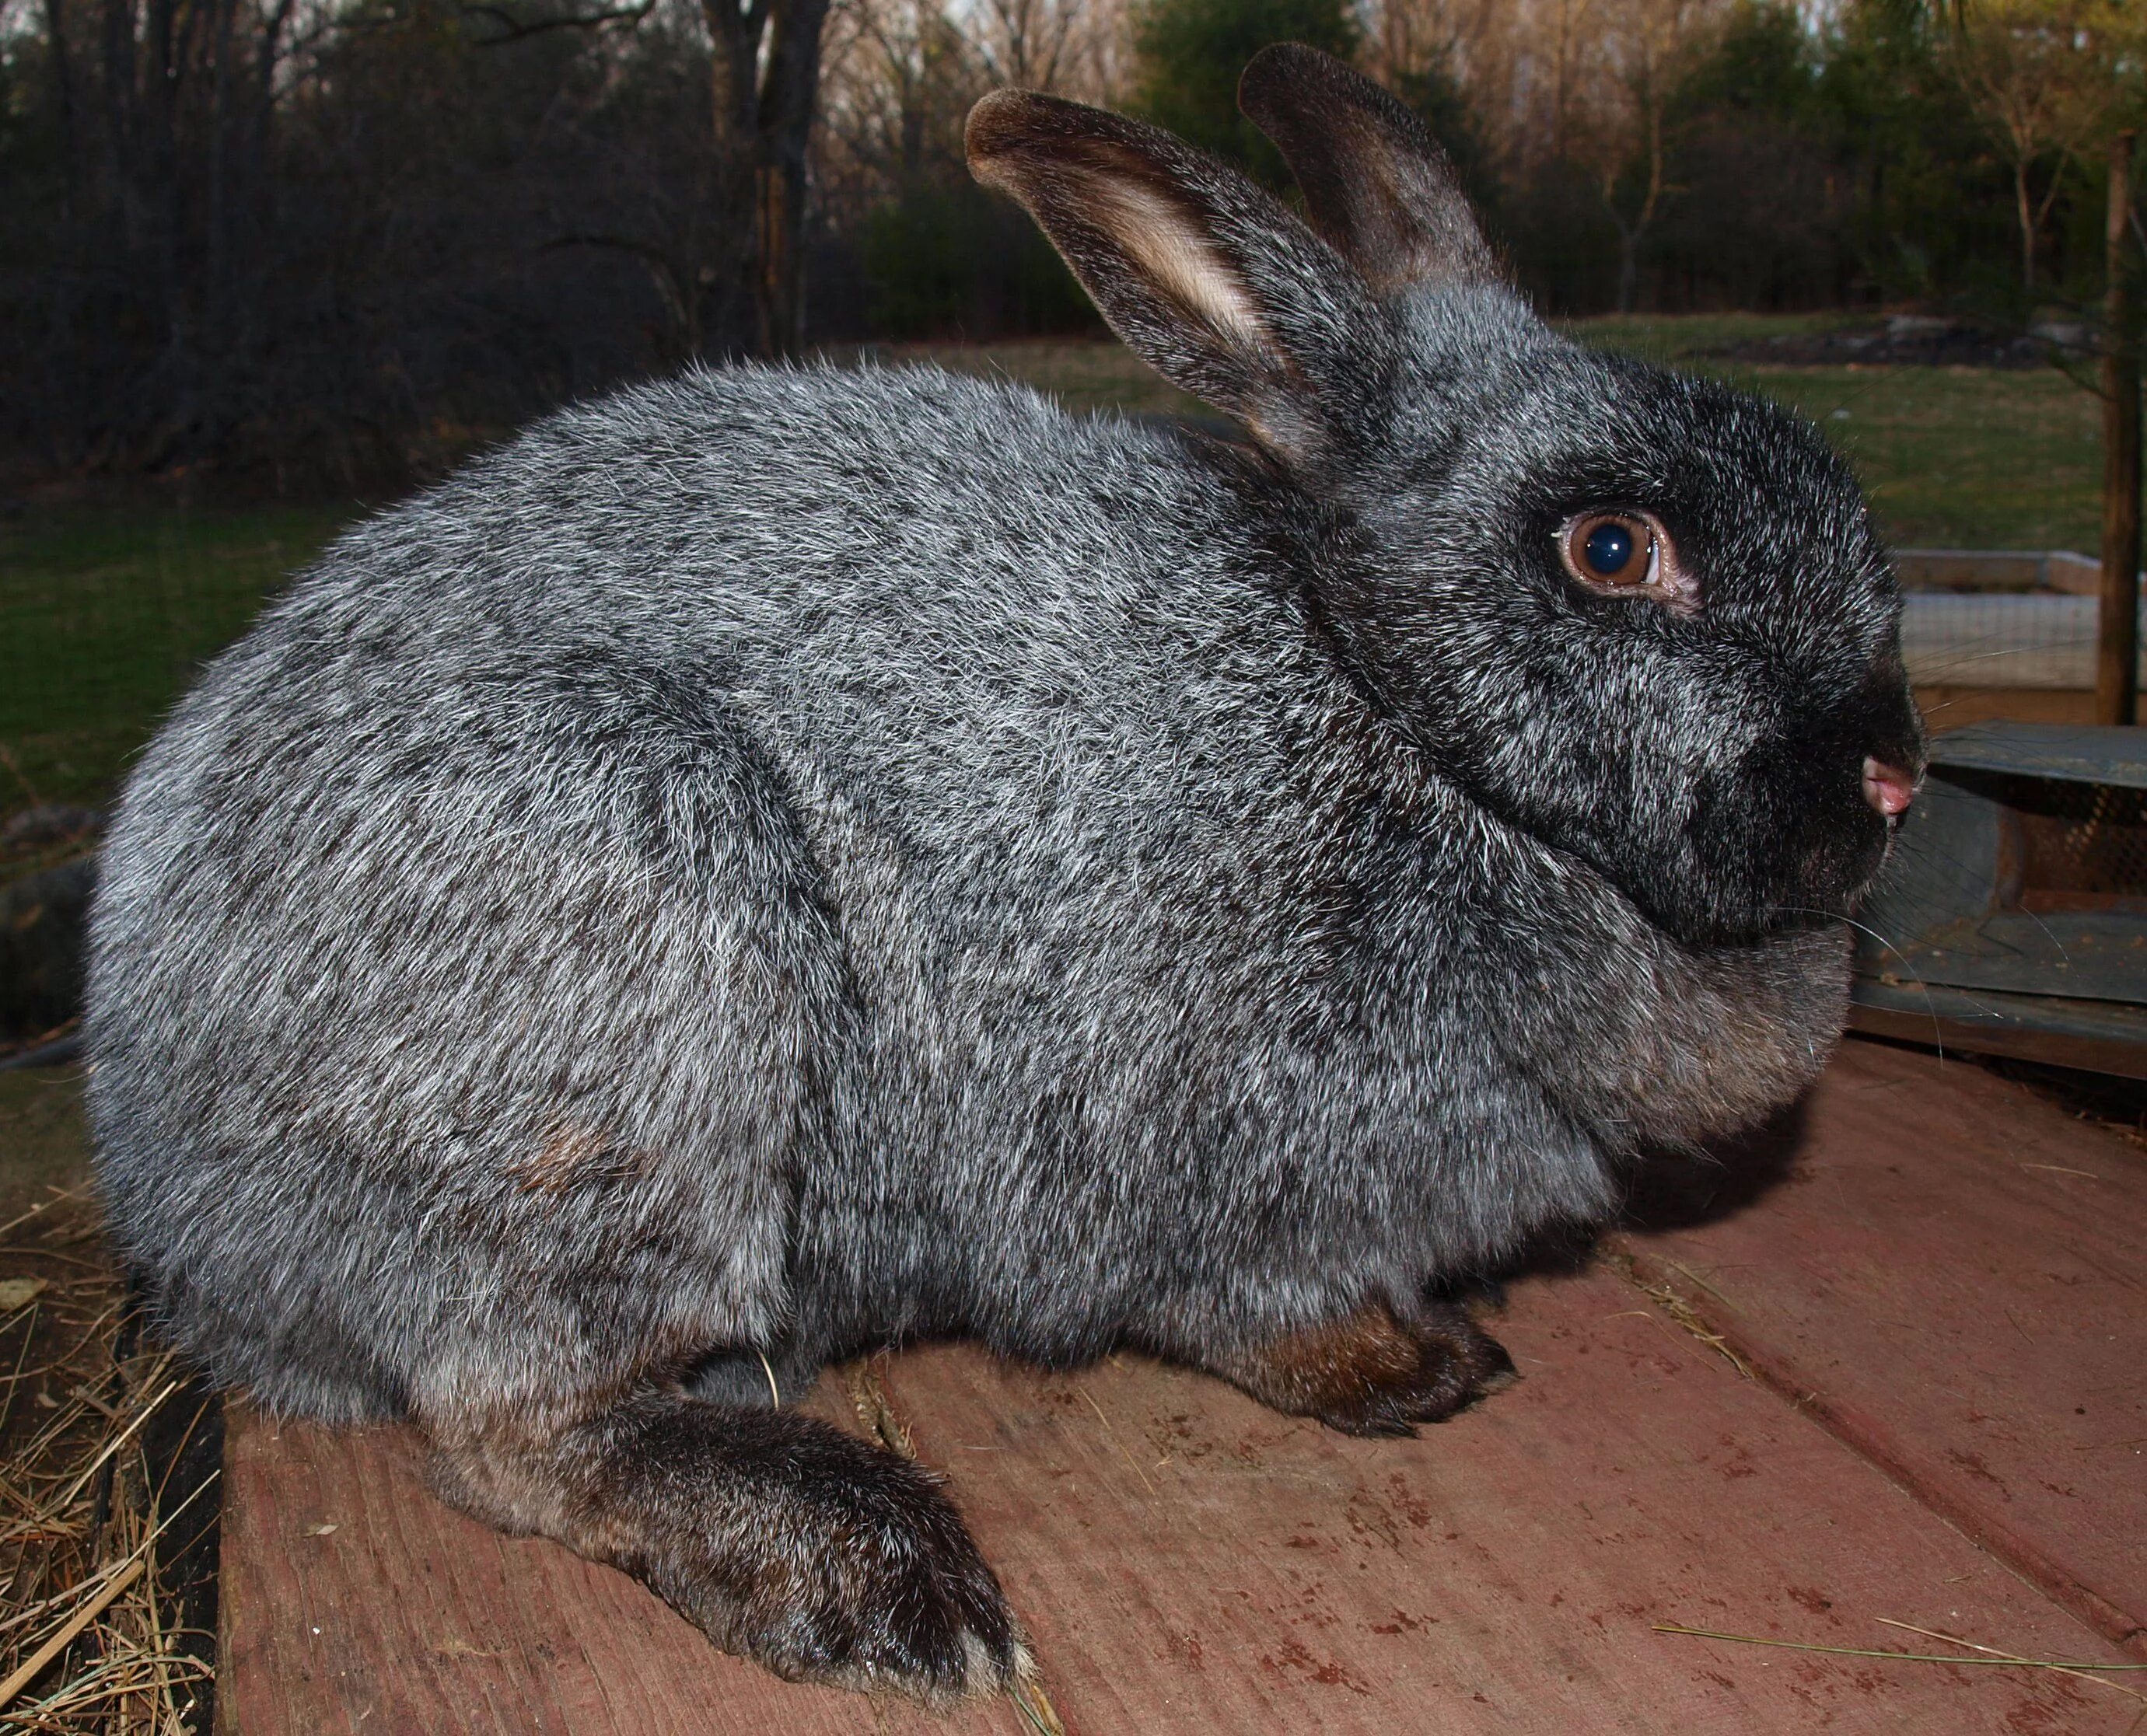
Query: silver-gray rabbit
x=779, y=862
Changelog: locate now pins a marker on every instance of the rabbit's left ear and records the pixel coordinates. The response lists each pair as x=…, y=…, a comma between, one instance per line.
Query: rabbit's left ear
x=1376, y=184
x=1208, y=278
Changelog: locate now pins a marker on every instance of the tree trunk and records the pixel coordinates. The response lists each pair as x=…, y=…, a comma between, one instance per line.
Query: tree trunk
x=2117, y=640
x=120, y=109
x=789, y=93
x=764, y=109
x=56, y=41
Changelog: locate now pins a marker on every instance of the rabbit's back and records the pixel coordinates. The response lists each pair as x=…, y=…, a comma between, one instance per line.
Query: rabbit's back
x=717, y=786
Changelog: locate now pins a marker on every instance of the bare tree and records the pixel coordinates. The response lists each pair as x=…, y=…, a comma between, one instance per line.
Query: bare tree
x=2047, y=78
x=910, y=77
x=1031, y=43
x=1467, y=40
x=765, y=63
x=767, y=78
x=1616, y=124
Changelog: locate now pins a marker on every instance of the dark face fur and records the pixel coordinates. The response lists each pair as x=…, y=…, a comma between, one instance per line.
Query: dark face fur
x=1705, y=750
x=1729, y=741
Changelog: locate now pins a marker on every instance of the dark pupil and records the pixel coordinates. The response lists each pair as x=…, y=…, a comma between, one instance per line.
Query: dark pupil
x=1608, y=550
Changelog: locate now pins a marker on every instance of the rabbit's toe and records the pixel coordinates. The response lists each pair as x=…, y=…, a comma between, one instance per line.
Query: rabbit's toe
x=1457, y=1362
x=870, y=1580
x=1375, y=1374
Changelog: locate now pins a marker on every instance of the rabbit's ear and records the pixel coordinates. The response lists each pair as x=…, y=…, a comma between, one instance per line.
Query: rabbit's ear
x=1212, y=282
x=1376, y=184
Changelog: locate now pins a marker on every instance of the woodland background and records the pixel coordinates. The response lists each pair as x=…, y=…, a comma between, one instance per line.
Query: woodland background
x=322, y=245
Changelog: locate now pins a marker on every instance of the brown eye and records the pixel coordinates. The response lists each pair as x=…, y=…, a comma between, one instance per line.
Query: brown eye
x=1611, y=548
x=1627, y=553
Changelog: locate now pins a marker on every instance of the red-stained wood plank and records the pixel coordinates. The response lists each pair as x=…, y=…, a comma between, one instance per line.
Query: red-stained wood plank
x=353, y=1601
x=1188, y=1561
x=1952, y=1279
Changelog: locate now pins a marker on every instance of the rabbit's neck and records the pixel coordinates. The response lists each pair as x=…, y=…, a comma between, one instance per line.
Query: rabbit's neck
x=1637, y=1035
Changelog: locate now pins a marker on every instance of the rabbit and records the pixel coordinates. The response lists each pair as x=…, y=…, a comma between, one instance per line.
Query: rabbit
x=782, y=861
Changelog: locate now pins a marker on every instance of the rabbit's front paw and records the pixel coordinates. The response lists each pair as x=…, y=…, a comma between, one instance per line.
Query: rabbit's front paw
x=789, y=1541
x=1375, y=1374
x=856, y=1572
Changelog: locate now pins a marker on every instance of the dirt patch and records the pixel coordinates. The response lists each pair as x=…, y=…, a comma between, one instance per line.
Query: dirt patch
x=1905, y=340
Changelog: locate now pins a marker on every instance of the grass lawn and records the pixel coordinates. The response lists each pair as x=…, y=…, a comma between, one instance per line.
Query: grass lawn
x=1953, y=458
x=106, y=613
x=1960, y=457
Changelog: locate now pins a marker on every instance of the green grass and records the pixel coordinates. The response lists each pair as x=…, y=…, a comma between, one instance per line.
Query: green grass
x=106, y=615
x=1960, y=457
x=1952, y=457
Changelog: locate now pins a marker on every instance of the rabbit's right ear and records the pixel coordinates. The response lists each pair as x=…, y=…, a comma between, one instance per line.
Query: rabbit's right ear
x=1375, y=182
x=1209, y=279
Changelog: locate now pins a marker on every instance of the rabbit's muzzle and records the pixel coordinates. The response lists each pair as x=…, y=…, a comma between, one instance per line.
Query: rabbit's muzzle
x=1888, y=789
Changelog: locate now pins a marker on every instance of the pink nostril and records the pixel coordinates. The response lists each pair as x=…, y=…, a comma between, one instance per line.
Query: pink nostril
x=1886, y=789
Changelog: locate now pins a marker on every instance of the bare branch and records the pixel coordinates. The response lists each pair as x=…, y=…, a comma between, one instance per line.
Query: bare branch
x=514, y=30
x=662, y=274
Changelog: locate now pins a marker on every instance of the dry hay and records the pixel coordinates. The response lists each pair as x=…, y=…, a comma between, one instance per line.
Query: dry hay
x=88, y=1530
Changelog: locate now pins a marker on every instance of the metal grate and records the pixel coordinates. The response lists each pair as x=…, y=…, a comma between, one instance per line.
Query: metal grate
x=2084, y=841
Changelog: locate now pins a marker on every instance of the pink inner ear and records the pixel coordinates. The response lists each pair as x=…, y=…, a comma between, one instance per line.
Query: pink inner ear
x=1887, y=789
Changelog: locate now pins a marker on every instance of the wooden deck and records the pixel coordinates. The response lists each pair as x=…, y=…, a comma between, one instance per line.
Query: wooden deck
x=1936, y=1415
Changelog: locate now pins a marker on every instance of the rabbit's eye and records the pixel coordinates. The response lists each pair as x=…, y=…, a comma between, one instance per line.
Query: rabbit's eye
x=1611, y=550
x=1623, y=553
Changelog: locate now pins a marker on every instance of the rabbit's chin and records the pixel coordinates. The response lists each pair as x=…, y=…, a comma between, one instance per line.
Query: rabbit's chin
x=1822, y=890
x=1761, y=856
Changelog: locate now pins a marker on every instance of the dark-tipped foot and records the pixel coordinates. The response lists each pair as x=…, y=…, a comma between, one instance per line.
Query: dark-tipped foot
x=1374, y=1373
x=865, y=1577
x=787, y=1541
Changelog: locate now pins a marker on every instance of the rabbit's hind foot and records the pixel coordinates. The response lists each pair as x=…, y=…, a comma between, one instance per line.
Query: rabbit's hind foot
x=784, y=1539
x=1373, y=1374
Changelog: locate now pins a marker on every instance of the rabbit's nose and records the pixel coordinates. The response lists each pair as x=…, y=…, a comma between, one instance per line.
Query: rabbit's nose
x=1887, y=788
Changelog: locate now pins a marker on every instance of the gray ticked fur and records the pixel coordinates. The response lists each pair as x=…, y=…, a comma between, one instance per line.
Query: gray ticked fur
x=781, y=860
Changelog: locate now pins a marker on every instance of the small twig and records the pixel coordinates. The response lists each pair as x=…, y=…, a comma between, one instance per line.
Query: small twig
x=1665, y=1297
x=1115, y=1441
x=57, y=1598
x=875, y=1411
x=15, y=767
x=2004, y=1661
x=60, y=1641
x=58, y=1052
x=515, y=30
x=14, y=1381
x=41, y=1207
x=2068, y=1669
x=1687, y=1271
x=1034, y=1705
x=118, y=1441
